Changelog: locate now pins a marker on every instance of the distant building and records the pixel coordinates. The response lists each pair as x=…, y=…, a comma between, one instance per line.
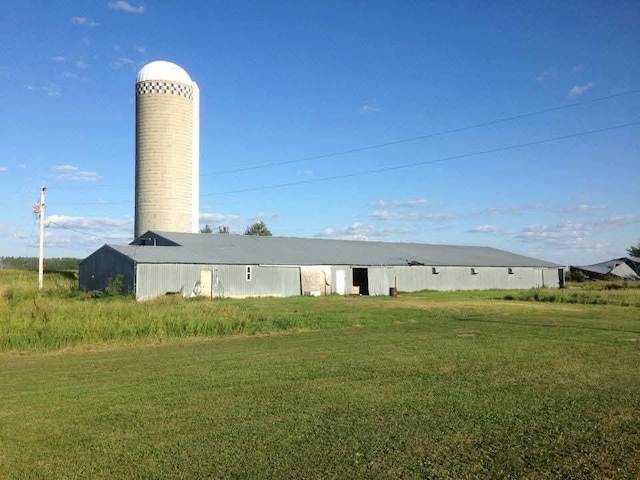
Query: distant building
x=167, y=149
x=158, y=263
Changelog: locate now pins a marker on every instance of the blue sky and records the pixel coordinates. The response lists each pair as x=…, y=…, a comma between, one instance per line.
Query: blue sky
x=336, y=119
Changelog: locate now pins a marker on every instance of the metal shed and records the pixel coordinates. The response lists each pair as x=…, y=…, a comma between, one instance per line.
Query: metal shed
x=226, y=265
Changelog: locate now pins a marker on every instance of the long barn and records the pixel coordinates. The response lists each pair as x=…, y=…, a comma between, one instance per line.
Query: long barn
x=226, y=265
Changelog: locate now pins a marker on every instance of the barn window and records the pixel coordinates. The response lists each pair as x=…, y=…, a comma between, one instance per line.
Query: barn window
x=474, y=271
x=510, y=271
x=248, y=273
x=434, y=271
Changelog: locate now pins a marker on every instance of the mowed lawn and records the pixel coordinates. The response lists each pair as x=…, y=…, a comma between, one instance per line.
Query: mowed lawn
x=419, y=386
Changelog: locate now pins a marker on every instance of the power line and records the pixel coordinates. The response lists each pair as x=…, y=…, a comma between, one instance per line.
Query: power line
x=396, y=142
x=427, y=162
x=84, y=233
x=96, y=185
x=424, y=137
x=84, y=204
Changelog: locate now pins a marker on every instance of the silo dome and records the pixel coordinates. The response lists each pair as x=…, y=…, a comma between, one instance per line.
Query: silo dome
x=162, y=70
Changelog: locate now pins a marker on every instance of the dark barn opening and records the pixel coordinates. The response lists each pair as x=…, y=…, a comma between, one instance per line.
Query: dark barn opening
x=361, y=279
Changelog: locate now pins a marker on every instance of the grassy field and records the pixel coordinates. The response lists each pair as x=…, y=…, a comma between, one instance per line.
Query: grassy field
x=427, y=385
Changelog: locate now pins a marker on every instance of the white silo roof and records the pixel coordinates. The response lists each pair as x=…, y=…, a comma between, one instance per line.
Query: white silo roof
x=162, y=70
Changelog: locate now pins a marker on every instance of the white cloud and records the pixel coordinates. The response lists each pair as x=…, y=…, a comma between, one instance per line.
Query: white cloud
x=571, y=234
x=75, y=76
x=4, y=169
x=508, y=210
x=544, y=76
x=65, y=231
x=355, y=231
x=365, y=232
x=84, y=21
x=584, y=208
x=576, y=68
x=71, y=172
x=121, y=62
x=560, y=235
x=421, y=202
x=94, y=223
x=79, y=62
x=580, y=89
x=218, y=218
x=30, y=86
x=494, y=211
x=387, y=215
x=368, y=108
x=52, y=89
x=412, y=203
x=125, y=6
x=141, y=50
x=436, y=217
x=485, y=229
x=265, y=216
x=617, y=221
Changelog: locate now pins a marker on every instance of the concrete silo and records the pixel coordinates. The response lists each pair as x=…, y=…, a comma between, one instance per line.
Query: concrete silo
x=167, y=149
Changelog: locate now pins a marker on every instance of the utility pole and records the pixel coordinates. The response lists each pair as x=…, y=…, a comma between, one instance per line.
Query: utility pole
x=41, y=259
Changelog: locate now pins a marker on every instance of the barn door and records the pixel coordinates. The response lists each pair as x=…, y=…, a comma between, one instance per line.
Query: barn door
x=361, y=280
x=340, y=282
x=206, y=283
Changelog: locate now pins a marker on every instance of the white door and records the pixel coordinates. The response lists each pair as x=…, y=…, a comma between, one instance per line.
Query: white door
x=205, y=283
x=340, y=278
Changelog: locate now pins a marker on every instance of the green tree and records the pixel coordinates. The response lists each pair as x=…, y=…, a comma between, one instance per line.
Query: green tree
x=115, y=286
x=223, y=229
x=206, y=229
x=258, y=228
x=634, y=250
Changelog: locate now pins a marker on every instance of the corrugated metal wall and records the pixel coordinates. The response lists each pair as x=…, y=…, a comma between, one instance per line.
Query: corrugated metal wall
x=410, y=279
x=99, y=268
x=265, y=281
x=227, y=280
x=153, y=280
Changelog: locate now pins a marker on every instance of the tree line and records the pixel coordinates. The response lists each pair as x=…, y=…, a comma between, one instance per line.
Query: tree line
x=31, y=263
x=259, y=228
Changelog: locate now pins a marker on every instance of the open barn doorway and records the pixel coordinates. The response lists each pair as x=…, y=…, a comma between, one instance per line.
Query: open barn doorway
x=361, y=280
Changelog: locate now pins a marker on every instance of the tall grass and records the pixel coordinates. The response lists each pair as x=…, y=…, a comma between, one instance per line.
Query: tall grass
x=606, y=294
x=61, y=317
x=606, y=285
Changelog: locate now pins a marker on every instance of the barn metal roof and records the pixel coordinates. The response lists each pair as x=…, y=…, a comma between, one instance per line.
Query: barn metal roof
x=616, y=267
x=230, y=249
